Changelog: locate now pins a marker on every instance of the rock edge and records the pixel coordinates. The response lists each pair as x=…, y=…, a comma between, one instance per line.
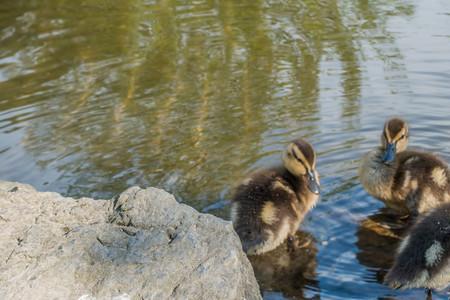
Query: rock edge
x=141, y=245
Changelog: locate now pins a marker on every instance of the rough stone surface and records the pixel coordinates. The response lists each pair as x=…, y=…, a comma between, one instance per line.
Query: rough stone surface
x=141, y=245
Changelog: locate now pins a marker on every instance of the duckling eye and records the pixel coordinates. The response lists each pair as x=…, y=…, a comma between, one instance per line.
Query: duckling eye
x=298, y=159
x=402, y=137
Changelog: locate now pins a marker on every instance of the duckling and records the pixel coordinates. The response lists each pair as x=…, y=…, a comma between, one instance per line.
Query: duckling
x=270, y=204
x=410, y=182
x=423, y=257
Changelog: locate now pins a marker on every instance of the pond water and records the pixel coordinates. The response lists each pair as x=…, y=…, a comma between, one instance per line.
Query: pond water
x=189, y=96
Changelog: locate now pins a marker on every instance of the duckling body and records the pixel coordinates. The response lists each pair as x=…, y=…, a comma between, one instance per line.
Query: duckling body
x=423, y=257
x=270, y=204
x=412, y=182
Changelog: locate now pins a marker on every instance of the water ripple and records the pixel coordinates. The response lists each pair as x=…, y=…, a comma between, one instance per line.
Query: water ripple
x=191, y=96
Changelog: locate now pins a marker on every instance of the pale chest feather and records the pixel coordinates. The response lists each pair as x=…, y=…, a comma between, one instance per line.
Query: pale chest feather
x=307, y=201
x=311, y=200
x=376, y=177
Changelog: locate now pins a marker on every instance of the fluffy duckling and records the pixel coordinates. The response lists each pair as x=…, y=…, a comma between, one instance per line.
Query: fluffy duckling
x=423, y=257
x=270, y=204
x=411, y=182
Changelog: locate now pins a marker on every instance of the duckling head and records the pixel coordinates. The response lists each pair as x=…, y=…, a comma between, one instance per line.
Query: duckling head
x=394, y=138
x=300, y=160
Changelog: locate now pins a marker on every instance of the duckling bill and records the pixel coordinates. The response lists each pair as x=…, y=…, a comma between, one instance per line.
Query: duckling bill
x=270, y=204
x=411, y=182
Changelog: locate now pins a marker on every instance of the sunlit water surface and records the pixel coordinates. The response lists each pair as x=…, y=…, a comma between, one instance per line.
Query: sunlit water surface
x=190, y=96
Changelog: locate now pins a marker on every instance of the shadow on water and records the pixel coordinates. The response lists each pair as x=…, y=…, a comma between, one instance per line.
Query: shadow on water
x=378, y=237
x=289, y=270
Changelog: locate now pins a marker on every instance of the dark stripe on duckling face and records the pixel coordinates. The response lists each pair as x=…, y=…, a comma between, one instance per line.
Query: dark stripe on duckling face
x=394, y=126
x=305, y=155
x=307, y=151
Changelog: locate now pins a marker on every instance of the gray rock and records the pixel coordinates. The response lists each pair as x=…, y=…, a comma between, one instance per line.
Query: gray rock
x=141, y=245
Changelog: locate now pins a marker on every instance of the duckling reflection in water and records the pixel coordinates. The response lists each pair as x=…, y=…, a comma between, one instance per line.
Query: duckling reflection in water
x=288, y=268
x=411, y=182
x=378, y=236
x=270, y=204
x=423, y=258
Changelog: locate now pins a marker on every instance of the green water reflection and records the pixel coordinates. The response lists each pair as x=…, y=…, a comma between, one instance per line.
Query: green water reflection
x=178, y=94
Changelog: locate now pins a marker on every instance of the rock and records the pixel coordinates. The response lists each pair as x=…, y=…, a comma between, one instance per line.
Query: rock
x=141, y=245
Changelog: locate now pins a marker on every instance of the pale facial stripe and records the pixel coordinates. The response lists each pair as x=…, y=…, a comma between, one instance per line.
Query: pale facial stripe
x=386, y=132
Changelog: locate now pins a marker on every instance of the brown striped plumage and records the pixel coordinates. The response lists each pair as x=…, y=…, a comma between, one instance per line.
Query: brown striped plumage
x=270, y=204
x=423, y=258
x=411, y=182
